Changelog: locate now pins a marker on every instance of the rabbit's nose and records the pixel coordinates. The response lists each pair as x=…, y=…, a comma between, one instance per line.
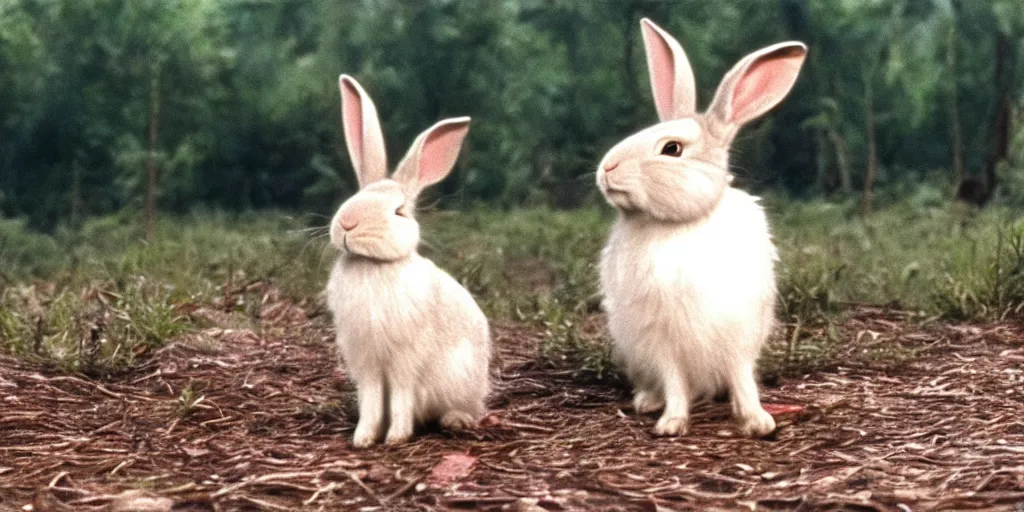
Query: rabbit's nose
x=610, y=165
x=348, y=221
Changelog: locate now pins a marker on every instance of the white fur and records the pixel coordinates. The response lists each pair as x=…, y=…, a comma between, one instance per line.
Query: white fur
x=688, y=271
x=690, y=306
x=413, y=340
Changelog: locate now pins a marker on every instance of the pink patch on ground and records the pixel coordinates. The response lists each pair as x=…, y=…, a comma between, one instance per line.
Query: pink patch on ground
x=782, y=409
x=452, y=467
x=491, y=420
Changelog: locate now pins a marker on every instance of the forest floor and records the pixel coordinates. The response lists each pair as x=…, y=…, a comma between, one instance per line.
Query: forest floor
x=258, y=417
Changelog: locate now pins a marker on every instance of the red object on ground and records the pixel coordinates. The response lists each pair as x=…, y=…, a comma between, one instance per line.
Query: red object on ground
x=782, y=409
x=452, y=467
x=491, y=420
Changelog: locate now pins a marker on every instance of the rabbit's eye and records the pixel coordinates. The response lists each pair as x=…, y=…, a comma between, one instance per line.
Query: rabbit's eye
x=672, y=148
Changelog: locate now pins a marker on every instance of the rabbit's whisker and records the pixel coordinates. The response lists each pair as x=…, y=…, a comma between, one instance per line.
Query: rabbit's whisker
x=425, y=243
x=323, y=253
x=309, y=230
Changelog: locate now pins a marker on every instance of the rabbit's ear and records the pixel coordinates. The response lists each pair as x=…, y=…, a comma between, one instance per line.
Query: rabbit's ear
x=433, y=154
x=756, y=84
x=675, y=94
x=362, y=132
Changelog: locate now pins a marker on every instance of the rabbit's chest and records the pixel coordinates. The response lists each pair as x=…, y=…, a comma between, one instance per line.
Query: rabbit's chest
x=379, y=303
x=686, y=274
x=666, y=268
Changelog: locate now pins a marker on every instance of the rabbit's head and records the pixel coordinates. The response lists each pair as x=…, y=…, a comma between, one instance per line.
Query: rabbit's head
x=677, y=170
x=377, y=222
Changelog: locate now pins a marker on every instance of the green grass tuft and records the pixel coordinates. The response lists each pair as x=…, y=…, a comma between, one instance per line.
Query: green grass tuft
x=96, y=299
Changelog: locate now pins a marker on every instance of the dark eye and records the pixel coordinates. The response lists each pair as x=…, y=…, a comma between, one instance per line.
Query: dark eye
x=672, y=148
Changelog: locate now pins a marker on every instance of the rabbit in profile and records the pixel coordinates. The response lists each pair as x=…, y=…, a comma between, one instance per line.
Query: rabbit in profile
x=687, y=273
x=413, y=339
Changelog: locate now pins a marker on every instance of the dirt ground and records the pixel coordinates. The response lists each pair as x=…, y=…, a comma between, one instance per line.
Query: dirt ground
x=259, y=418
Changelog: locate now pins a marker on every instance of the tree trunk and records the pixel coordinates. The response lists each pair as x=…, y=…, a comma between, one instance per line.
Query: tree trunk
x=842, y=159
x=956, y=132
x=822, y=183
x=979, y=190
x=872, y=170
x=151, y=169
x=76, y=193
x=1000, y=130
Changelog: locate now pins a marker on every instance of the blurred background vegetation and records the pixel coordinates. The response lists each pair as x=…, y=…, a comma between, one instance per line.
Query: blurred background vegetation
x=233, y=104
x=224, y=115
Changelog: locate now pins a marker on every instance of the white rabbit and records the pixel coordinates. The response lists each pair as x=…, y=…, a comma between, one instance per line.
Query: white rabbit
x=687, y=273
x=414, y=340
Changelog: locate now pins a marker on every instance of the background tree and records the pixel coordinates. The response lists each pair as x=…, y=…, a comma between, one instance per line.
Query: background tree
x=110, y=106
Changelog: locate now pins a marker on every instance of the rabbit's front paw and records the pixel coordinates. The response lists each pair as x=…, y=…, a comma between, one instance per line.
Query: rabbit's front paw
x=757, y=424
x=398, y=435
x=647, y=402
x=671, y=426
x=364, y=436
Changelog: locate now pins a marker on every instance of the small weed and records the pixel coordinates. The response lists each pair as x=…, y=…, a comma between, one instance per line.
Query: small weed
x=807, y=307
x=188, y=400
x=328, y=411
x=798, y=359
x=96, y=330
x=990, y=284
x=569, y=338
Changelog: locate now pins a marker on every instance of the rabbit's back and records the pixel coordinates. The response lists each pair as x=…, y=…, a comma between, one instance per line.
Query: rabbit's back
x=702, y=294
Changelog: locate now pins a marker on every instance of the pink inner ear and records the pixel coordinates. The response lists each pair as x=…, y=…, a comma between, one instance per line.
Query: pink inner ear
x=661, y=65
x=764, y=84
x=440, y=150
x=352, y=112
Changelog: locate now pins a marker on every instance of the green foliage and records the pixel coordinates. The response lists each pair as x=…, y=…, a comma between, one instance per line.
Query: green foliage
x=995, y=286
x=248, y=121
x=249, y=105
x=94, y=300
x=107, y=298
x=95, y=330
x=515, y=259
x=25, y=252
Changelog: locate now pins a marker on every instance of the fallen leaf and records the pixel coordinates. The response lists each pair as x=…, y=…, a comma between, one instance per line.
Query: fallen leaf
x=452, y=466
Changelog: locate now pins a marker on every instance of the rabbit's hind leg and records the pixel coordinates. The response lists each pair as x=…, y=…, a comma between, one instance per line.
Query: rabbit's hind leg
x=457, y=420
x=647, y=390
x=646, y=401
